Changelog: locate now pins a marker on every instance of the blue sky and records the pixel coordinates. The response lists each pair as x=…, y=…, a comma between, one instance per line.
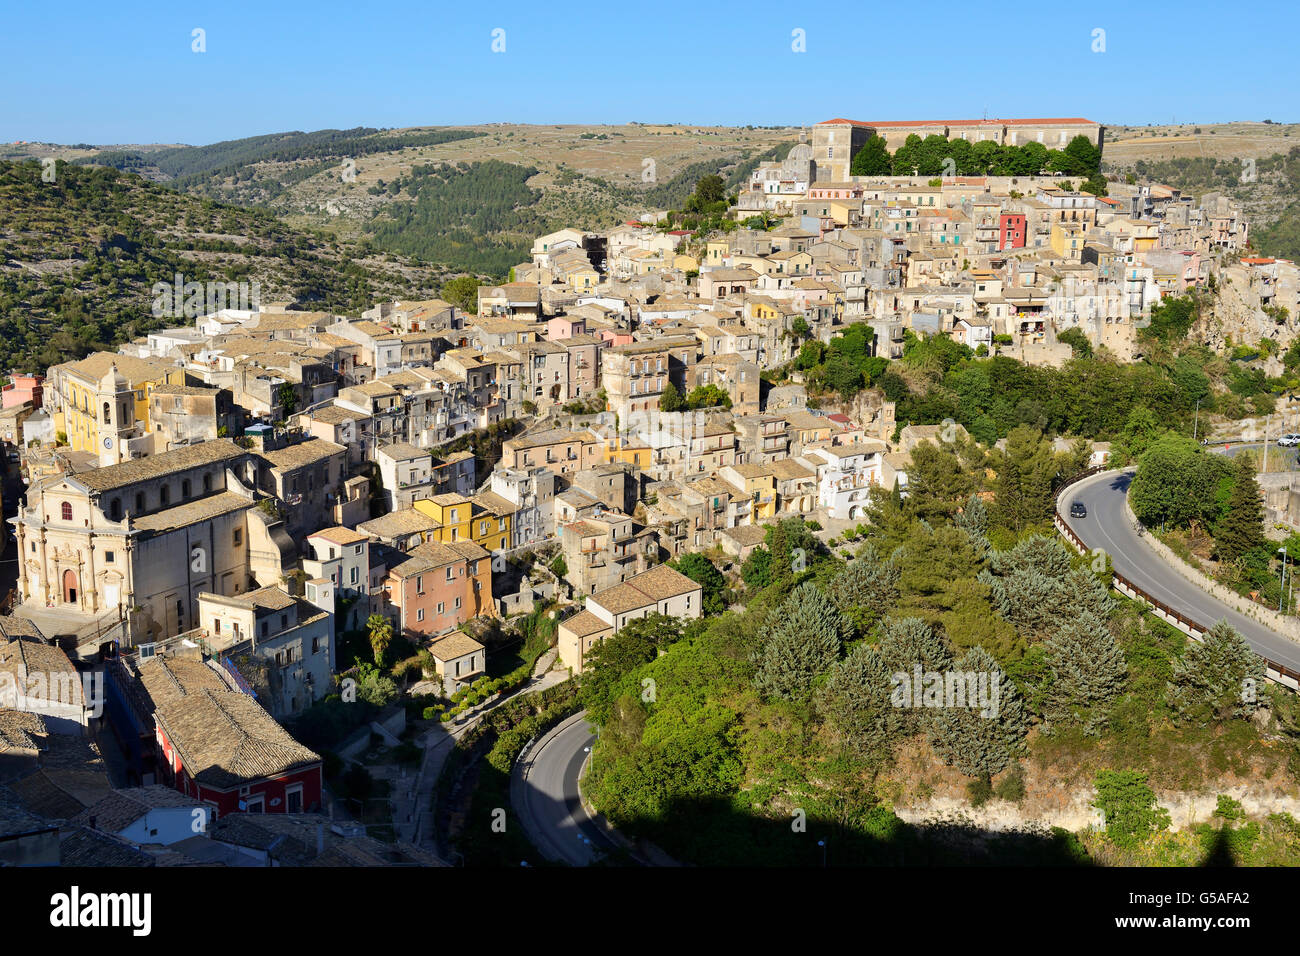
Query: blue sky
x=125, y=73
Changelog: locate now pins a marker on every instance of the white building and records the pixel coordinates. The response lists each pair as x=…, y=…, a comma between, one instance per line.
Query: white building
x=845, y=476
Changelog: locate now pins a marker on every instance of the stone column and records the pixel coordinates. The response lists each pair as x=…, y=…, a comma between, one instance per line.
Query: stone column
x=23, y=586
x=45, y=569
x=91, y=588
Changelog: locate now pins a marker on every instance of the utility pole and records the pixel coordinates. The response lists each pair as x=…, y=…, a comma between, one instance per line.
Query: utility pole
x=1282, y=597
x=1266, y=422
x=1197, y=420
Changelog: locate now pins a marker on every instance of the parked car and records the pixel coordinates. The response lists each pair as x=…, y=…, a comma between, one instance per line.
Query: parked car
x=1077, y=510
x=1289, y=440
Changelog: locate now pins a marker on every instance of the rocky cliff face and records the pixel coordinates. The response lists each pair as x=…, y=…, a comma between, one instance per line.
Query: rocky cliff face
x=1235, y=313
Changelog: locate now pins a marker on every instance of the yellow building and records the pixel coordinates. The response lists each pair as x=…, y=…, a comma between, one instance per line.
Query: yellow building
x=492, y=522
x=485, y=519
x=583, y=280
x=102, y=403
x=1068, y=239
x=619, y=452
x=756, y=482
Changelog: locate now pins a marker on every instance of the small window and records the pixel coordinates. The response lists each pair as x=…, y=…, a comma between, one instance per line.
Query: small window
x=238, y=537
x=441, y=607
x=207, y=482
x=139, y=502
x=67, y=511
x=185, y=488
x=419, y=614
x=164, y=495
x=109, y=557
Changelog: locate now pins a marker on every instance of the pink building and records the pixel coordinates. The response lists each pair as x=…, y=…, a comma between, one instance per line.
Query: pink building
x=23, y=388
x=616, y=337
x=564, y=327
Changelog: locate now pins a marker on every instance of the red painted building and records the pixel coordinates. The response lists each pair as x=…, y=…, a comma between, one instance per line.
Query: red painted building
x=1011, y=228
x=219, y=746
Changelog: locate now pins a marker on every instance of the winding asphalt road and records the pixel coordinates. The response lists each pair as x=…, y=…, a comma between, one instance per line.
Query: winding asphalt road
x=1107, y=527
x=544, y=792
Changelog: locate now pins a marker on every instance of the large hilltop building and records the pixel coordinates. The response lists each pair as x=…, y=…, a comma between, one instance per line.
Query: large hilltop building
x=837, y=141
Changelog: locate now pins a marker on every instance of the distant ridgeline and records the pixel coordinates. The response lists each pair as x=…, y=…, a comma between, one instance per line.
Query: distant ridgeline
x=191, y=167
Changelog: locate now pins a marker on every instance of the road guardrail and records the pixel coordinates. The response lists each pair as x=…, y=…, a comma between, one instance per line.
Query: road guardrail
x=1278, y=673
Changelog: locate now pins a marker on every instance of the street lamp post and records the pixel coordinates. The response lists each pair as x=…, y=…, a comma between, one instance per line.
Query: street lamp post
x=1282, y=597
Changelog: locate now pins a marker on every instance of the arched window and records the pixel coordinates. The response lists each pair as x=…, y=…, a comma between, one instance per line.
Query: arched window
x=67, y=511
x=107, y=414
x=115, y=509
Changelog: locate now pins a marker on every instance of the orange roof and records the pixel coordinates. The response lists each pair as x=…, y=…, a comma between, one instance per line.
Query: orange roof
x=1258, y=262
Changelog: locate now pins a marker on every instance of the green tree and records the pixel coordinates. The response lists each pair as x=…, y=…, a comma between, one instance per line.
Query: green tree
x=286, y=396
x=701, y=570
x=1176, y=482
x=462, y=292
x=1033, y=586
x=810, y=356
x=872, y=159
x=1077, y=340
x=805, y=642
x=374, y=688
x=559, y=567
x=855, y=700
x=1087, y=672
x=1241, y=528
x=1083, y=157
x=756, y=570
x=1140, y=430
x=906, y=645
x=866, y=589
x=1025, y=470
x=380, y=630
x=1129, y=806
x=981, y=738
x=937, y=483
x=709, y=190
x=706, y=396
x=670, y=400
x=1095, y=184
x=842, y=375
x=1217, y=678
x=613, y=659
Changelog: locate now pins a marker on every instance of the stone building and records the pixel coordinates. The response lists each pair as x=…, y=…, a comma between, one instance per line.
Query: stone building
x=146, y=537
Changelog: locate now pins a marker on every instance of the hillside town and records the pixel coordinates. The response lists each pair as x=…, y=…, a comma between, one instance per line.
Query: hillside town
x=209, y=516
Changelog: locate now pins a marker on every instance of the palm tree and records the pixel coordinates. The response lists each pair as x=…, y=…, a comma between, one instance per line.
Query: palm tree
x=381, y=635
